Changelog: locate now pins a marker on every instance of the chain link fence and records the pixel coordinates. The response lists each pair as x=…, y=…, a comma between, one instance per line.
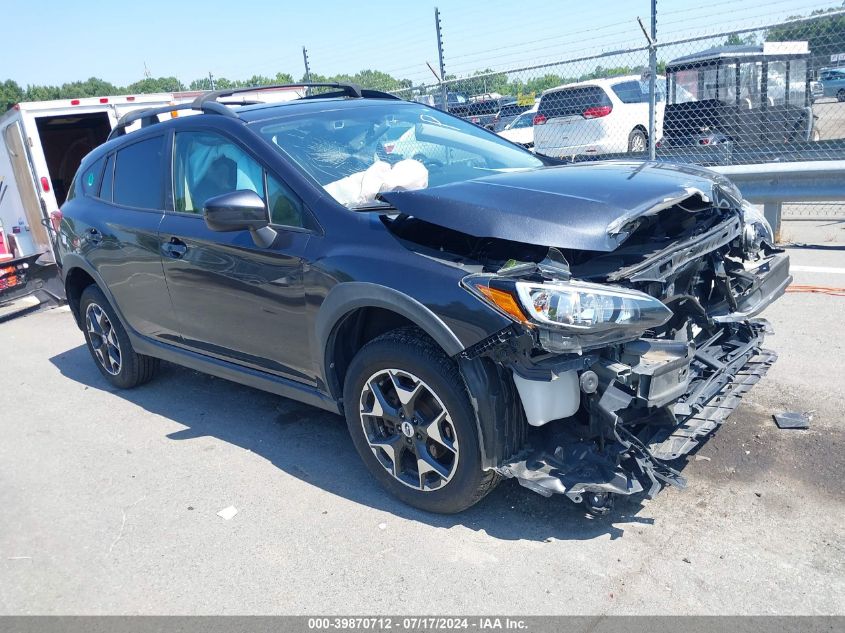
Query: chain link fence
x=771, y=91
x=733, y=97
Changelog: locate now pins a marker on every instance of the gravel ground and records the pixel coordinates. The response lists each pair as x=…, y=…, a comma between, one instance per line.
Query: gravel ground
x=109, y=501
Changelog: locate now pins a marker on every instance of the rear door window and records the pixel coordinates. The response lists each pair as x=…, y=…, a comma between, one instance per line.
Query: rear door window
x=108, y=180
x=138, y=175
x=572, y=101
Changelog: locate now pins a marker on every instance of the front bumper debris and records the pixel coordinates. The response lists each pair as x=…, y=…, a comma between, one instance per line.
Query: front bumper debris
x=646, y=415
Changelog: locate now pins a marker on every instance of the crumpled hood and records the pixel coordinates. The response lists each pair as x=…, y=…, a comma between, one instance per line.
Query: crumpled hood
x=584, y=206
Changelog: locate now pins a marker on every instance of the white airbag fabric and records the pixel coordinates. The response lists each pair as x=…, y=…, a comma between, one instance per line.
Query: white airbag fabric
x=362, y=187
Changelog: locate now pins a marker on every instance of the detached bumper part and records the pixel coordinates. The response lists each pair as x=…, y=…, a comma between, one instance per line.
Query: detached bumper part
x=648, y=411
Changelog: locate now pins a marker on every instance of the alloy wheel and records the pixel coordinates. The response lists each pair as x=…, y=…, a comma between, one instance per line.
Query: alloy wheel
x=638, y=143
x=409, y=429
x=103, y=339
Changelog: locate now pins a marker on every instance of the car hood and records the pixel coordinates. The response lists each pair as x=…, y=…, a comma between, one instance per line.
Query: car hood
x=587, y=206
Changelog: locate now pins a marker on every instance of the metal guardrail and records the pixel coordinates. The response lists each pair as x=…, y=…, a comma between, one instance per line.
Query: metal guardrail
x=772, y=184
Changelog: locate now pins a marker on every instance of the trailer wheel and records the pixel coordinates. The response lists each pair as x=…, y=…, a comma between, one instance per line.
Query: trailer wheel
x=109, y=344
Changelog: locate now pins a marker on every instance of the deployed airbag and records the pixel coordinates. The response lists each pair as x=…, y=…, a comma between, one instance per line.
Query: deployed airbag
x=361, y=188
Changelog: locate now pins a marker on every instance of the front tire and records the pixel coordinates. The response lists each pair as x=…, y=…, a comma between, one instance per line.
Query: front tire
x=413, y=425
x=109, y=344
x=840, y=96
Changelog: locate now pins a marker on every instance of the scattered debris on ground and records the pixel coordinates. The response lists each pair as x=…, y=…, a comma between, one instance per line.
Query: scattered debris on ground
x=228, y=513
x=793, y=420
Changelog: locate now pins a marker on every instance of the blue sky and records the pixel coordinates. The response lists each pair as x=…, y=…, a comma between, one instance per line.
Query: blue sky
x=52, y=41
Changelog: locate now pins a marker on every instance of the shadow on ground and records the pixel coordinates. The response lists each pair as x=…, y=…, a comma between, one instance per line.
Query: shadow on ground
x=314, y=446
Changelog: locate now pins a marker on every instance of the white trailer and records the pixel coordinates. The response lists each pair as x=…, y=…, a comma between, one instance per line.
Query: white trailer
x=41, y=146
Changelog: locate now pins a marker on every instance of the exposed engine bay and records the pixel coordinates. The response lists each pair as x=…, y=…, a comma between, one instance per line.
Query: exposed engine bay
x=624, y=358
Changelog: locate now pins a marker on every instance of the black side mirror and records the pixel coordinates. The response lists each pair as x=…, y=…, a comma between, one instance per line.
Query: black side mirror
x=241, y=210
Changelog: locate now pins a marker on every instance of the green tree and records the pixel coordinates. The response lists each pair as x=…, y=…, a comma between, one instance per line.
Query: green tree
x=10, y=94
x=204, y=83
x=42, y=93
x=92, y=87
x=155, y=84
x=824, y=33
x=749, y=39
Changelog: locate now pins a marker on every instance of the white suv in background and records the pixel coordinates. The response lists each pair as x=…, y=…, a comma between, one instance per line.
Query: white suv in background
x=600, y=116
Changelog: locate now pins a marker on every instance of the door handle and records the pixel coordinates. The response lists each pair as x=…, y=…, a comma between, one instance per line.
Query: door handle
x=94, y=236
x=175, y=248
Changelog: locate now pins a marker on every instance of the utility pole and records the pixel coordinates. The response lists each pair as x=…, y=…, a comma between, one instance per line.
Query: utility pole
x=211, y=79
x=440, y=55
x=652, y=82
x=307, y=68
x=305, y=60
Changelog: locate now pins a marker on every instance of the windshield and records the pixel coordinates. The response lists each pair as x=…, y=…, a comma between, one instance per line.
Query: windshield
x=357, y=153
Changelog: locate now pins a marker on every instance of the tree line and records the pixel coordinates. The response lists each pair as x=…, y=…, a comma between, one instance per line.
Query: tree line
x=11, y=92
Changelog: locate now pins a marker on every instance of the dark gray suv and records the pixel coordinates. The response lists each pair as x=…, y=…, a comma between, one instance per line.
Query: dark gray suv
x=474, y=311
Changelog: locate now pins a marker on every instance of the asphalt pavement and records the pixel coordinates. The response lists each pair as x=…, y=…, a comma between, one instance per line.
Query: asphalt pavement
x=109, y=499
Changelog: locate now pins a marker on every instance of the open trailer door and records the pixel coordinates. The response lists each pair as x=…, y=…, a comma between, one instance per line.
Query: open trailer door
x=65, y=140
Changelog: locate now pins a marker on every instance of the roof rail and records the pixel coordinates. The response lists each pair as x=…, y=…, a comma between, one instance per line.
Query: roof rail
x=347, y=90
x=149, y=116
x=208, y=103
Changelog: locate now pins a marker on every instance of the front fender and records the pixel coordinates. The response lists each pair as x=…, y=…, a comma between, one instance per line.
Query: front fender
x=348, y=296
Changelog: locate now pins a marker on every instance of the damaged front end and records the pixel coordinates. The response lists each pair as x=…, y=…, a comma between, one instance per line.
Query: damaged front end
x=626, y=359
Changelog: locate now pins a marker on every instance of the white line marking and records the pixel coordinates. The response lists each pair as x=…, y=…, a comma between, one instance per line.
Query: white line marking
x=818, y=269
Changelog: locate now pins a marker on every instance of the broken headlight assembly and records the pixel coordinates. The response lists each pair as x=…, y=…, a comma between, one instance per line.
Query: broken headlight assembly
x=756, y=229
x=572, y=315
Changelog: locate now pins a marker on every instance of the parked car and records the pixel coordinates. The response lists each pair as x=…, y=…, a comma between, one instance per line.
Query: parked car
x=833, y=82
x=454, y=101
x=480, y=314
x=596, y=117
x=521, y=129
x=816, y=91
x=507, y=114
x=739, y=93
x=483, y=112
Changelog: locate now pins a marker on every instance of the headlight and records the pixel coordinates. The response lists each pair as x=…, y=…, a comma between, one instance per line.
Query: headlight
x=584, y=306
x=756, y=228
x=577, y=315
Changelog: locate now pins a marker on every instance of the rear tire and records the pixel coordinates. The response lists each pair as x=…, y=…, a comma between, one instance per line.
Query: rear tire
x=109, y=344
x=404, y=397
x=840, y=96
x=637, y=142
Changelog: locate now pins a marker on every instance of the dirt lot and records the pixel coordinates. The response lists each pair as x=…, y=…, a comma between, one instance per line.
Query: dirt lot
x=109, y=500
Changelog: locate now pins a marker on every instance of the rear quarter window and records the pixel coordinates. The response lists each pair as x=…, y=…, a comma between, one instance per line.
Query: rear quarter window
x=138, y=176
x=572, y=101
x=632, y=91
x=90, y=177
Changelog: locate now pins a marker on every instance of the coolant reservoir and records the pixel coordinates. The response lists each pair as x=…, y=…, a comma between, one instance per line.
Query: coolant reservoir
x=544, y=401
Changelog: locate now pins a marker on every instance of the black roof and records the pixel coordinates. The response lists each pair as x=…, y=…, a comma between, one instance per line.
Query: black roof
x=262, y=111
x=734, y=51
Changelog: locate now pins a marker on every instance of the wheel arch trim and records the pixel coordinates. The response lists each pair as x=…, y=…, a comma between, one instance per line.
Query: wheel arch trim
x=71, y=261
x=347, y=297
